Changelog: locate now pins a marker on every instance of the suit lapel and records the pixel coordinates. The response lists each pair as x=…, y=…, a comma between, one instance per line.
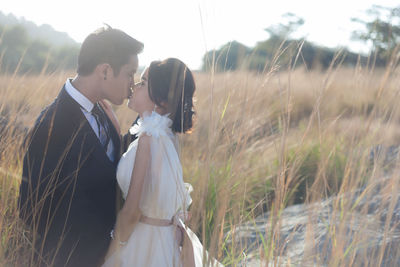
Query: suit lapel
x=85, y=131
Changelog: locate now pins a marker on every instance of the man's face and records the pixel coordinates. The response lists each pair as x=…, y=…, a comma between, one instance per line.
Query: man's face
x=118, y=87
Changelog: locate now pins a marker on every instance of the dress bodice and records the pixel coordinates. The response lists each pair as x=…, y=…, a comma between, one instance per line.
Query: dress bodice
x=164, y=193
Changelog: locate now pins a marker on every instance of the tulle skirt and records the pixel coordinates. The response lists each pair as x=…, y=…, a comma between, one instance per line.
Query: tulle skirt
x=148, y=246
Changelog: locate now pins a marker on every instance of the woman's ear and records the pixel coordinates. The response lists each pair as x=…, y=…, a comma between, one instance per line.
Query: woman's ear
x=164, y=105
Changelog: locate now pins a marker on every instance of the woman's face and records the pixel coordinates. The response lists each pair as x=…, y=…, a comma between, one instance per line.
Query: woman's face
x=140, y=100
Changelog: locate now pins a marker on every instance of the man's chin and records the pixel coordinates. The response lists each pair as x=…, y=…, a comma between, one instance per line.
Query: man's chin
x=121, y=101
x=117, y=102
x=131, y=105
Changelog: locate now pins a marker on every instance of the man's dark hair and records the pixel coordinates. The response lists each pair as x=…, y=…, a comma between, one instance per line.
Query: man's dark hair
x=107, y=45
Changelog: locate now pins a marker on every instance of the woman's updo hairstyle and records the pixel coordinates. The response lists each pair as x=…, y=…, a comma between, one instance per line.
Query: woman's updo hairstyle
x=171, y=82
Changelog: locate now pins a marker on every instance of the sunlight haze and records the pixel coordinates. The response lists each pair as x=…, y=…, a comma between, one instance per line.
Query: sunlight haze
x=187, y=29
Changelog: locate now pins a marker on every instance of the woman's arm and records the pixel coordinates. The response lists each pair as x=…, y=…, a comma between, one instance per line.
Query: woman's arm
x=130, y=212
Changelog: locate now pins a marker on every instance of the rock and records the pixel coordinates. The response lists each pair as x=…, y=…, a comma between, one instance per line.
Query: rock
x=360, y=228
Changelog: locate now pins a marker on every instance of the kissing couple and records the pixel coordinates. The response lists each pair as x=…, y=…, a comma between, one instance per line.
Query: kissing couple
x=91, y=196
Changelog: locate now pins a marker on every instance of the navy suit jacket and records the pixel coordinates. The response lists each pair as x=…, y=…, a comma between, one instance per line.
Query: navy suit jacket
x=68, y=194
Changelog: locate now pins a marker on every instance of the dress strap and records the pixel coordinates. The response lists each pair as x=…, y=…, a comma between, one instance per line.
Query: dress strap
x=156, y=222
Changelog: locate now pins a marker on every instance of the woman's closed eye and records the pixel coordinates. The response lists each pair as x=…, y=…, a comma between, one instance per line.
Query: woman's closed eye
x=141, y=83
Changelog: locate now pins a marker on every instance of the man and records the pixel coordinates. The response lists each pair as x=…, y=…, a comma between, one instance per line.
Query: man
x=68, y=191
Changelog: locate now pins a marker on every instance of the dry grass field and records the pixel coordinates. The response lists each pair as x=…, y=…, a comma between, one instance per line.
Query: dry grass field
x=261, y=143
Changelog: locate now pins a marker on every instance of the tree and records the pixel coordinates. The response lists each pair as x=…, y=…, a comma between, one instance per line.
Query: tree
x=234, y=55
x=279, y=52
x=382, y=30
x=34, y=56
x=284, y=30
x=64, y=57
x=230, y=56
x=279, y=41
x=13, y=45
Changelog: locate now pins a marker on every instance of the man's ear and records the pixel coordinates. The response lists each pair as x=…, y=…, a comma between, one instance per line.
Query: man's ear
x=105, y=73
x=102, y=71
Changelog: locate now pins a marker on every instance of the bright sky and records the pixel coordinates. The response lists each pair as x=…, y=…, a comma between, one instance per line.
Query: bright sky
x=188, y=28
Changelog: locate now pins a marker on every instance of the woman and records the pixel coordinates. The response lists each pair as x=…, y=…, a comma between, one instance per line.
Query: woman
x=150, y=174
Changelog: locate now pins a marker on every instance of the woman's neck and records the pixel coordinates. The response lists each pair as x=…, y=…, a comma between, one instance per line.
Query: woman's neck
x=159, y=110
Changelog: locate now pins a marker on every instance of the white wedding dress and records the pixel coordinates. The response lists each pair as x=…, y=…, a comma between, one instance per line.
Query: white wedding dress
x=164, y=197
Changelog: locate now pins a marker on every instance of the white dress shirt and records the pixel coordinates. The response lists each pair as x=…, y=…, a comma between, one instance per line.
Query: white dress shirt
x=86, y=108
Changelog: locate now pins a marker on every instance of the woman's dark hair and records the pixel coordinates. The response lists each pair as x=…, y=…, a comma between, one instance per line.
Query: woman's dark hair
x=171, y=82
x=107, y=45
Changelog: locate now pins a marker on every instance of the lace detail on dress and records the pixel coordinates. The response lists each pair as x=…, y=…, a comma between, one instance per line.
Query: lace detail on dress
x=153, y=124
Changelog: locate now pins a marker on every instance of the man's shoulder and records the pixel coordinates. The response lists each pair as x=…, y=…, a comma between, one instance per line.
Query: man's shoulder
x=60, y=108
x=47, y=114
x=56, y=114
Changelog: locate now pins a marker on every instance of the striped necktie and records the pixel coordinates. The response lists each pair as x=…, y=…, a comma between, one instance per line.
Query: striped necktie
x=101, y=120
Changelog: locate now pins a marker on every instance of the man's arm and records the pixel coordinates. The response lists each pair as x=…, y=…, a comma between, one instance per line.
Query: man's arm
x=128, y=137
x=46, y=149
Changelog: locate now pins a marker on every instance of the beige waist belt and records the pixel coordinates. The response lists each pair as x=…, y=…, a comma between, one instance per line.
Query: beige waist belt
x=187, y=252
x=155, y=222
